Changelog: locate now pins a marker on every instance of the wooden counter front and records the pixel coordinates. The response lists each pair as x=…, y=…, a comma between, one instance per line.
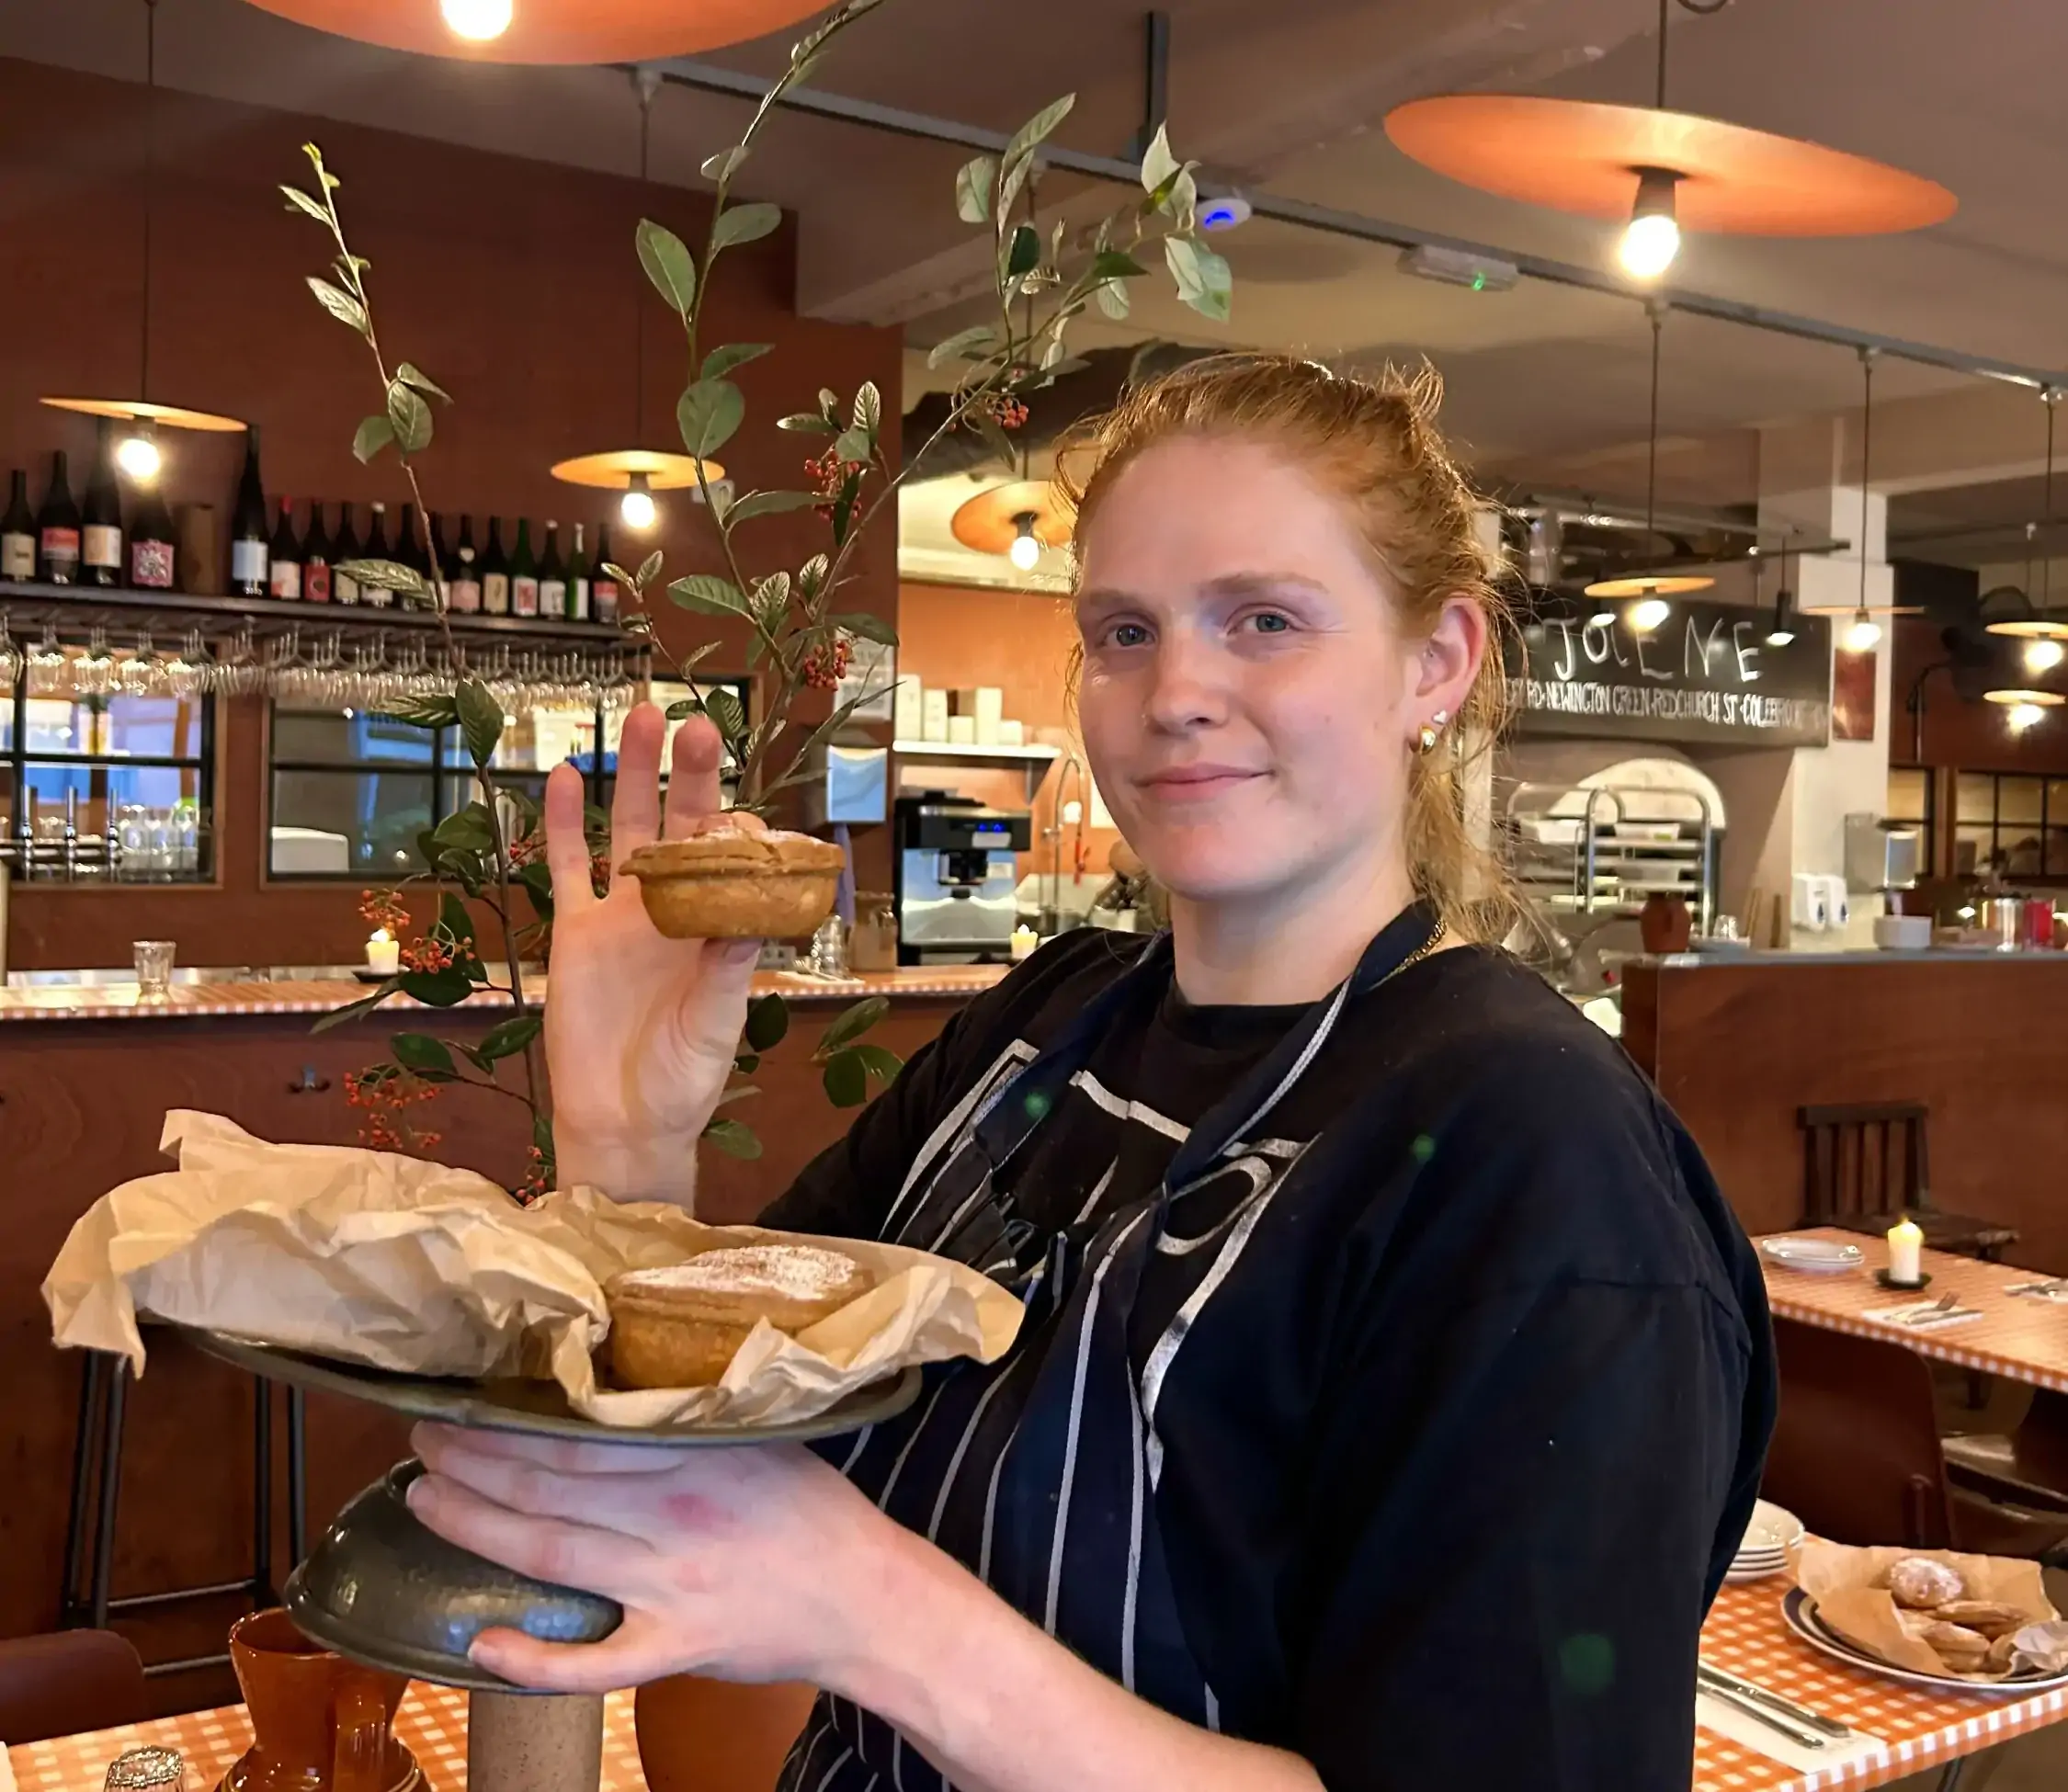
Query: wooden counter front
x=86, y=1078
x=1738, y=1046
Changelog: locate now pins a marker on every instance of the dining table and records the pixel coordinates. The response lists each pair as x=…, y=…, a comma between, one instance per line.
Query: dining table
x=2021, y=1336
x=1902, y=1730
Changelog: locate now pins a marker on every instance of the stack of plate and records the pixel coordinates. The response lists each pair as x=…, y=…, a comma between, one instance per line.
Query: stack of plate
x=1816, y=1256
x=1773, y=1532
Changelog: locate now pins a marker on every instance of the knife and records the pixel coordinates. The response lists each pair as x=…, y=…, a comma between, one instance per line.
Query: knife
x=1802, y=1735
x=1718, y=1679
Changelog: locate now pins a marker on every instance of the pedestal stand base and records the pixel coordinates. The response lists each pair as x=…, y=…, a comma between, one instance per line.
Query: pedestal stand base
x=523, y=1742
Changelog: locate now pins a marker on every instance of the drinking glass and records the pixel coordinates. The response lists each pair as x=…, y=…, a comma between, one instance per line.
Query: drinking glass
x=153, y=965
x=133, y=841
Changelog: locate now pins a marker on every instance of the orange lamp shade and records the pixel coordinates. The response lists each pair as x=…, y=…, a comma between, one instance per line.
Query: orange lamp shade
x=990, y=521
x=1650, y=585
x=553, y=31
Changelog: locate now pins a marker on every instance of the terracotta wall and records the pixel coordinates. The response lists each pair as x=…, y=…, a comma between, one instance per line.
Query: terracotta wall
x=1021, y=641
x=513, y=283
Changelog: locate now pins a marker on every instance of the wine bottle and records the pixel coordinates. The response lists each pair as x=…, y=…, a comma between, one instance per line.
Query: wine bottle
x=603, y=595
x=57, y=528
x=17, y=532
x=524, y=572
x=317, y=581
x=377, y=548
x=100, y=534
x=466, y=571
x=495, y=572
x=409, y=545
x=283, y=557
x=344, y=548
x=578, y=579
x=552, y=576
x=153, y=556
x=248, y=528
x=437, y=561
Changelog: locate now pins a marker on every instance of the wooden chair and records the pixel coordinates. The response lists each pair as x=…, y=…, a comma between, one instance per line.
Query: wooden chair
x=1857, y=1454
x=68, y=1682
x=698, y=1735
x=1866, y=1164
x=2027, y=1465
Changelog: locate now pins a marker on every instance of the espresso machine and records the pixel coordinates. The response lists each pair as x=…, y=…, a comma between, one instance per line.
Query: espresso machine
x=955, y=878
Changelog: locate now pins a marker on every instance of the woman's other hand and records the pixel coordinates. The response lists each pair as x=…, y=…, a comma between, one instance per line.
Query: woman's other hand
x=641, y=1030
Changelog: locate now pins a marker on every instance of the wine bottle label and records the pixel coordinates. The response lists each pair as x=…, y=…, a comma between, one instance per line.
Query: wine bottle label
x=377, y=597
x=606, y=599
x=466, y=595
x=247, y=563
x=17, y=556
x=344, y=588
x=579, y=596
x=101, y=545
x=151, y=565
x=524, y=596
x=552, y=596
x=496, y=593
x=316, y=584
x=286, y=578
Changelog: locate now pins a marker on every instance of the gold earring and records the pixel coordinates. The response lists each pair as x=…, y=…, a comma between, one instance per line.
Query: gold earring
x=1432, y=731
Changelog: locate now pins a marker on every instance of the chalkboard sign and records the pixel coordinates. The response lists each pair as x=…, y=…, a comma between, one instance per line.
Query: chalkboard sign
x=1706, y=674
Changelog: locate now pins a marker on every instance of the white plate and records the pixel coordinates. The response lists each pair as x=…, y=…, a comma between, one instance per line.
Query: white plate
x=1816, y=1256
x=1800, y=1611
x=1741, y=1577
x=1773, y=1531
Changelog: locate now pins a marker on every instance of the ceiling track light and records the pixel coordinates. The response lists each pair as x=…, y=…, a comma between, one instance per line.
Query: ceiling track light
x=1863, y=634
x=2040, y=625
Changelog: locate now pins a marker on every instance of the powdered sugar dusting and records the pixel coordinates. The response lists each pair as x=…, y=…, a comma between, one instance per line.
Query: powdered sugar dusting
x=794, y=1272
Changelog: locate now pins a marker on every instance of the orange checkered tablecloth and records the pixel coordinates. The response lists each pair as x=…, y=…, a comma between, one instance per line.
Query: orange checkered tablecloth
x=432, y=1724
x=2016, y=1336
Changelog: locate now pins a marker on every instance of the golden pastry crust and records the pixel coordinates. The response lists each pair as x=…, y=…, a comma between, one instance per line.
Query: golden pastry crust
x=736, y=883
x=680, y=1326
x=1921, y=1584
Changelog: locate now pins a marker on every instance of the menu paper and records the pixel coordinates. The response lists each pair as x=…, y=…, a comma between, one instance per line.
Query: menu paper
x=417, y=1268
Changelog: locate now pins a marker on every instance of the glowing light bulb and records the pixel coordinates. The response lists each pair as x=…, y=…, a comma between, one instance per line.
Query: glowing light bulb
x=2044, y=654
x=2021, y=716
x=479, y=21
x=1863, y=634
x=1779, y=637
x=637, y=507
x=1647, y=613
x=1026, y=550
x=1652, y=238
x=137, y=454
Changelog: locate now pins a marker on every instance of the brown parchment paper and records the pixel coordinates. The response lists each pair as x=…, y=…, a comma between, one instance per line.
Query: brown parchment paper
x=1850, y=1588
x=415, y=1267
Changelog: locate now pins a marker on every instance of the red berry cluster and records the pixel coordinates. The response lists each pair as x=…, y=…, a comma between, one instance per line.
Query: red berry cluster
x=599, y=873
x=526, y=850
x=383, y=1095
x=535, y=1183
x=434, y=955
x=1004, y=410
x=829, y=474
x=384, y=909
x=825, y=667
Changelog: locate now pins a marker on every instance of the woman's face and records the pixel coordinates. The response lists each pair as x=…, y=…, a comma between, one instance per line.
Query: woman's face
x=1248, y=698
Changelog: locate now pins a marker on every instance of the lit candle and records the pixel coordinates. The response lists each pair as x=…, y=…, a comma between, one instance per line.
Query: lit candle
x=383, y=952
x=1024, y=939
x=1906, y=1245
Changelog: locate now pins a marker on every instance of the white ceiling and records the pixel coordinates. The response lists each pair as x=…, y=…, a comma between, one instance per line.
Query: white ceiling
x=1547, y=385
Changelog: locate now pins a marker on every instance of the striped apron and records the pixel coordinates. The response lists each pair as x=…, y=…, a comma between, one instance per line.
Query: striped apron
x=1039, y=1472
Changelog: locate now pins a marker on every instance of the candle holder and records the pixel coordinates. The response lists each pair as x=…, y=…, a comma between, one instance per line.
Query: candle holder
x=1889, y=1281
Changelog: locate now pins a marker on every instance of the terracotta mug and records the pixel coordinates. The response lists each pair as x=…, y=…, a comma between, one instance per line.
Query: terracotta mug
x=319, y=1722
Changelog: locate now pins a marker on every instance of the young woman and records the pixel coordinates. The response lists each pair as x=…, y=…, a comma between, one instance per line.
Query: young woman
x=1393, y=1382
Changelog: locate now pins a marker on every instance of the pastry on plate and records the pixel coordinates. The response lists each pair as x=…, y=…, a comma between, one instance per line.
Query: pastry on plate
x=681, y=1325
x=1963, y=1650
x=738, y=883
x=1990, y=1617
x=1921, y=1584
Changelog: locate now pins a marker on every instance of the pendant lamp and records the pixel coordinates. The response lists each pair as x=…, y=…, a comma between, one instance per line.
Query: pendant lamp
x=1781, y=630
x=638, y=473
x=1016, y=519
x=138, y=452
x=1650, y=590
x=546, y=30
x=2044, y=631
x=1662, y=172
x=1863, y=633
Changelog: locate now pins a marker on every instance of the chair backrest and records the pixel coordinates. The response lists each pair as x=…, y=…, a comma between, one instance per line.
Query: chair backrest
x=1855, y=1453
x=1866, y=1160
x=67, y=1682
x=698, y=1735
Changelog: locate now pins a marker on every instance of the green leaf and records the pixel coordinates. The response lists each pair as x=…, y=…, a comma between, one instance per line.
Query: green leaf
x=1112, y=265
x=353, y=1010
x=508, y=1038
x=868, y=409
x=431, y=709
x=708, y=412
x=854, y=1022
x=725, y=163
x=853, y=445
x=420, y=1051
x=438, y=989
x=648, y=569
x=846, y=1082
x=410, y=417
x=468, y=829
x=388, y=575
x=869, y=628
x=1158, y=165
x=611, y=569
x=769, y=504
x=879, y=1062
x=542, y=1137
x=537, y=880
x=731, y=1138
x=744, y=223
x=1039, y=129
x=373, y=435
x=808, y=423
x=1013, y=184
x=454, y=922
x=811, y=576
x=728, y=355
x=768, y=1022
x=339, y=303
x=975, y=181
x=966, y=343
x=747, y=1062
x=417, y=380
x=710, y=594
x=739, y=1094
x=771, y=599
x=724, y=711
x=994, y=439
x=668, y=264
x=1025, y=255
x=481, y=719
x=299, y=201
x=1113, y=300
x=1203, y=278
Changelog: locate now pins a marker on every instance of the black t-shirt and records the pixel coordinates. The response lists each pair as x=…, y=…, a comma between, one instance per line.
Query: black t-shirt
x=1471, y=1409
